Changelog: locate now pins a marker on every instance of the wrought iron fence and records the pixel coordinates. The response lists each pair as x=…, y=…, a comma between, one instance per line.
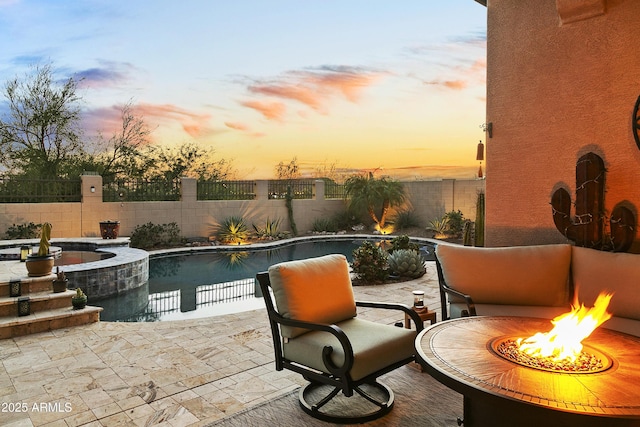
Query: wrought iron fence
x=333, y=190
x=226, y=190
x=27, y=190
x=141, y=190
x=299, y=188
x=217, y=293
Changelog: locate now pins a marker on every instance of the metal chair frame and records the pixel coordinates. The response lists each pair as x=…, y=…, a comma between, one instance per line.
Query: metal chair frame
x=339, y=376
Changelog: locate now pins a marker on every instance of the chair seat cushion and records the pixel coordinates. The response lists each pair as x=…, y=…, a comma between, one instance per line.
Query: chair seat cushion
x=375, y=346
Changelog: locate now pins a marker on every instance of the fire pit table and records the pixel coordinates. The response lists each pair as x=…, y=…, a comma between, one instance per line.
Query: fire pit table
x=462, y=355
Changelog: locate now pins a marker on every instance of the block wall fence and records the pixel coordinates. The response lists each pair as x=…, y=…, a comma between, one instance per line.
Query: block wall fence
x=428, y=199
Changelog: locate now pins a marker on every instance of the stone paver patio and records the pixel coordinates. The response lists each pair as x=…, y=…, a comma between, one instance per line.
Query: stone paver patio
x=174, y=373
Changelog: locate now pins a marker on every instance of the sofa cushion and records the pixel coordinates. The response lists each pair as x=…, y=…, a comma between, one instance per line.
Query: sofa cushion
x=520, y=275
x=315, y=290
x=596, y=271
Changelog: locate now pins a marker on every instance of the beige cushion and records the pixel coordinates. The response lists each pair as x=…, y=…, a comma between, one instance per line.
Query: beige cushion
x=618, y=273
x=375, y=346
x=520, y=275
x=315, y=290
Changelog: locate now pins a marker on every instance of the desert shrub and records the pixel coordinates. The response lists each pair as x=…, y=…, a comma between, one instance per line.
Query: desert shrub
x=439, y=226
x=406, y=219
x=344, y=220
x=324, y=225
x=23, y=231
x=233, y=230
x=455, y=221
x=370, y=263
x=270, y=230
x=150, y=235
x=403, y=242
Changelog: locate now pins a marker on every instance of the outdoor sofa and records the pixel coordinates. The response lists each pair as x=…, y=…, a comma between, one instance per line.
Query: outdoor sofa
x=538, y=281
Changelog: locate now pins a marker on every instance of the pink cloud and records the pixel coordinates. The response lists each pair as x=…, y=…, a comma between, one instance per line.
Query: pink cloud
x=236, y=125
x=314, y=88
x=270, y=110
x=465, y=76
x=109, y=120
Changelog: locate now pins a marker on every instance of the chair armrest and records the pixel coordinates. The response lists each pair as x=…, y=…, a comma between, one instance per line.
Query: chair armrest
x=471, y=307
x=327, y=350
x=394, y=306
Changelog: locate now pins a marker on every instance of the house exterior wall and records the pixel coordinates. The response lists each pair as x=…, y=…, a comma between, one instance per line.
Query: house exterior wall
x=428, y=199
x=562, y=80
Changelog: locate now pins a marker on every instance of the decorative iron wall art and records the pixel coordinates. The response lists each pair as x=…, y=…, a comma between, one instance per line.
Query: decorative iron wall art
x=636, y=122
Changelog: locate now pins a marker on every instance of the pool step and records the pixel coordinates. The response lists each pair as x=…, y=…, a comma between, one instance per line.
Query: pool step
x=47, y=320
x=48, y=310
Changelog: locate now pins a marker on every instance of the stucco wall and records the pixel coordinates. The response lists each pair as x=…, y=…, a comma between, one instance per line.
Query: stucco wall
x=556, y=89
x=429, y=200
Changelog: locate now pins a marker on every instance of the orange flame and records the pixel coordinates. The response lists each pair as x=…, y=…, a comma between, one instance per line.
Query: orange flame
x=564, y=341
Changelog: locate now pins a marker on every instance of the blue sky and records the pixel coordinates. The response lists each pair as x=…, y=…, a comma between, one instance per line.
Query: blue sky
x=397, y=86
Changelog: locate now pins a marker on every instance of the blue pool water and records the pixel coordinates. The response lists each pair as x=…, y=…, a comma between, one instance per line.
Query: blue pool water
x=209, y=283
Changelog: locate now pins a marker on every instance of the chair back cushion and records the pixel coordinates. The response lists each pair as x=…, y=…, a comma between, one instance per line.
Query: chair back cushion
x=519, y=275
x=314, y=290
x=617, y=273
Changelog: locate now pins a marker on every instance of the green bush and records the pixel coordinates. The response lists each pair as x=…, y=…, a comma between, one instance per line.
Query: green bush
x=402, y=242
x=270, y=230
x=233, y=230
x=324, y=225
x=23, y=231
x=455, y=221
x=406, y=219
x=150, y=235
x=370, y=263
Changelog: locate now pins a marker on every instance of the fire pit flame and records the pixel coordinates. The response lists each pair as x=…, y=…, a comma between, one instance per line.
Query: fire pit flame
x=564, y=341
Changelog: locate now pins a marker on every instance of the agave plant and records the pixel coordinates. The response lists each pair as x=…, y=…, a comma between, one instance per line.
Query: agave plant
x=233, y=230
x=270, y=229
x=439, y=227
x=407, y=263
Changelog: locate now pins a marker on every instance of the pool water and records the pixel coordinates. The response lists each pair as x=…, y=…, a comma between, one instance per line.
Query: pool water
x=207, y=284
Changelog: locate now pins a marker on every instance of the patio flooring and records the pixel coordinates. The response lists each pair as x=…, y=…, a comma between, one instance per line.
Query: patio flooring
x=174, y=373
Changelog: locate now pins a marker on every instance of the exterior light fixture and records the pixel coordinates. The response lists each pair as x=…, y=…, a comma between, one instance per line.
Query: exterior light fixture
x=15, y=288
x=480, y=157
x=24, y=306
x=24, y=251
x=92, y=189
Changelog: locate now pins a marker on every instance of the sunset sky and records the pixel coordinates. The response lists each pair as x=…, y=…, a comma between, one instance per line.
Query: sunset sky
x=395, y=86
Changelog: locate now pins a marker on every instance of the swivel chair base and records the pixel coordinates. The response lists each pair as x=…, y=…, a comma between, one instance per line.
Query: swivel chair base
x=369, y=402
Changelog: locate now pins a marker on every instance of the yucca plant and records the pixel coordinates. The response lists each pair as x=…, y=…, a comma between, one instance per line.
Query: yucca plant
x=233, y=230
x=270, y=229
x=439, y=227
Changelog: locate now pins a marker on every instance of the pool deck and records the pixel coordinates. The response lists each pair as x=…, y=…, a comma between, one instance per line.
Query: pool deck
x=173, y=373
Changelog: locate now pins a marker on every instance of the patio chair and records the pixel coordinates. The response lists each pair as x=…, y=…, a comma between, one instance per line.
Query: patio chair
x=316, y=333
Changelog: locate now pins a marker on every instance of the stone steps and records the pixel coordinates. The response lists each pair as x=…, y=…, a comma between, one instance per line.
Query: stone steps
x=47, y=310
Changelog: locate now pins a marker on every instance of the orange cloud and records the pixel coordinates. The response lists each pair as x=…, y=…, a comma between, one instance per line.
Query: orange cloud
x=270, y=110
x=474, y=73
x=109, y=120
x=236, y=125
x=193, y=124
x=314, y=87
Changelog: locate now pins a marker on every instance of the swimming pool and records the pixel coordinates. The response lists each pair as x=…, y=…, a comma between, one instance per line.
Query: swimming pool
x=203, y=284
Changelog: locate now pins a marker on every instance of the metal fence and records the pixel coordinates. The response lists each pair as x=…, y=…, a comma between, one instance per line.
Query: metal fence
x=237, y=290
x=334, y=190
x=139, y=190
x=26, y=190
x=299, y=188
x=226, y=190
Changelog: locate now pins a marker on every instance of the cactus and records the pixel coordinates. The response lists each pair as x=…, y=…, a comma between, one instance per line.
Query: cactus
x=467, y=233
x=407, y=263
x=45, y=235
x=479, y=226
x=587, y=229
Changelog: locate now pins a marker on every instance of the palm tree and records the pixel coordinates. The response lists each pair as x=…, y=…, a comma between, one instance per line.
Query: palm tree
x=369, y=193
